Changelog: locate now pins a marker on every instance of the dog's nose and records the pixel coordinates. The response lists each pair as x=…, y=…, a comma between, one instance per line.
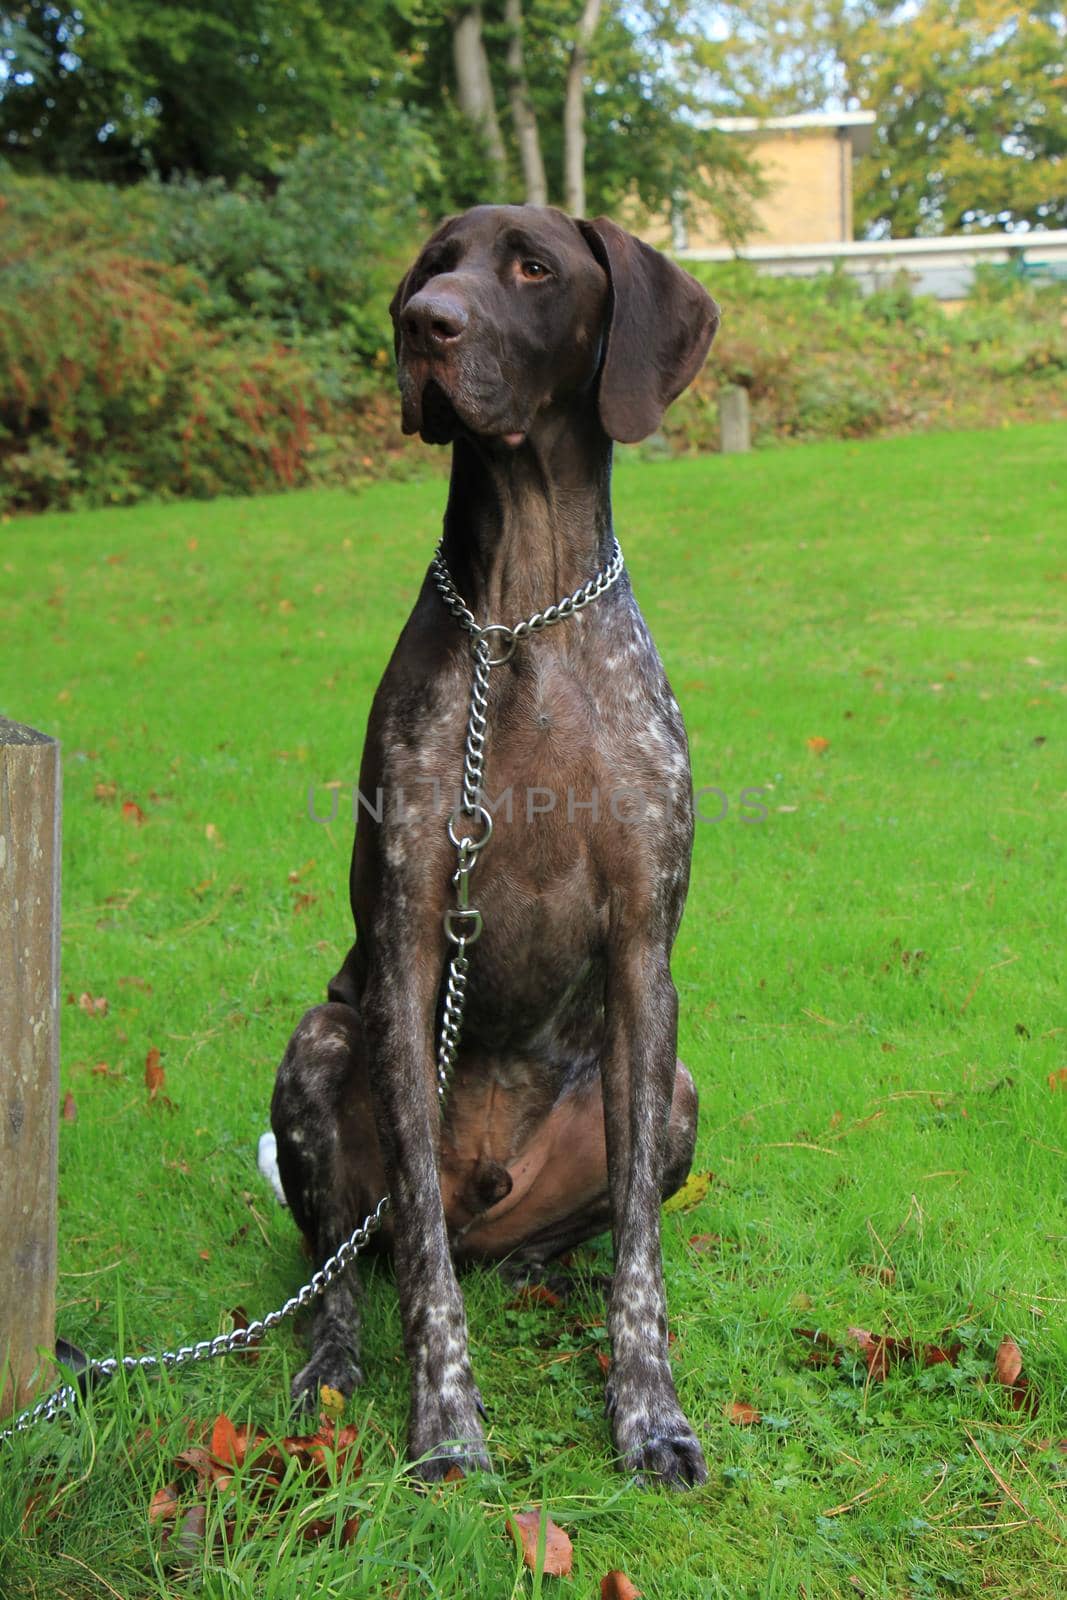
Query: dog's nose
x=433, y=321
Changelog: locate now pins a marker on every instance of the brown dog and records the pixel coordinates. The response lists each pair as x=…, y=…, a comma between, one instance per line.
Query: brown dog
x=529, y=342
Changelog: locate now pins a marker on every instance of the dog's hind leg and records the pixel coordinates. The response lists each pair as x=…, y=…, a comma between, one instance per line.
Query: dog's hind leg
x=332, y=1174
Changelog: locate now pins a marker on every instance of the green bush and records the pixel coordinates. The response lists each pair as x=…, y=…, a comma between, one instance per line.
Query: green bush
x=319, y=254
x=191, y=339
x=194, y=339
x=111, y=390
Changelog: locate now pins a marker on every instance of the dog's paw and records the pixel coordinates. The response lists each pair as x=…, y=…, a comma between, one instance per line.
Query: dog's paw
x=332, y=1366
x=673, y=1460
x=652, y=1434
x=444, y=1435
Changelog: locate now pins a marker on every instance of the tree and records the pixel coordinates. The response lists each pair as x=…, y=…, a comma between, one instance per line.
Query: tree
x=118, y=88
x=474, y=87
x=563, y=99
x=574, y=110
x=969, y=96
x=523, y=115
x=972, y=119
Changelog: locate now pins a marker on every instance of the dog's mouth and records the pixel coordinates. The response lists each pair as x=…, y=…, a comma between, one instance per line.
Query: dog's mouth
x=430, y=411
x=439, y=421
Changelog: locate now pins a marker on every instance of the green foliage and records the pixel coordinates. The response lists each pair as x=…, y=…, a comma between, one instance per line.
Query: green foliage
x=820, y=359
x=113, y=391
x=318, y=252
x=972, y=120
x=121, y=89
x=971, y=127
x=116, y=89
x=195, y=339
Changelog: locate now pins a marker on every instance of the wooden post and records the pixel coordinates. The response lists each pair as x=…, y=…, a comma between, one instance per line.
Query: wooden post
x=735, y=420
x=30, y=809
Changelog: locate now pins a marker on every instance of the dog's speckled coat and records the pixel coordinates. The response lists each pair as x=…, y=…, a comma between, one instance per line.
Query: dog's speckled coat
x=529, y=342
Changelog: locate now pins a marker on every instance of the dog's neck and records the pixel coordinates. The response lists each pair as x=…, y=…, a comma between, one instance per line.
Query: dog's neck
x=526, y=526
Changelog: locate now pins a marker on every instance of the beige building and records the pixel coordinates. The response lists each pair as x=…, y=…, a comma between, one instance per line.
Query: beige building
x=807, y=163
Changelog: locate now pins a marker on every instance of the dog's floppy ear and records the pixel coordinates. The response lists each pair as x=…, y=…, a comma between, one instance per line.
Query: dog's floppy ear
x=661, y=328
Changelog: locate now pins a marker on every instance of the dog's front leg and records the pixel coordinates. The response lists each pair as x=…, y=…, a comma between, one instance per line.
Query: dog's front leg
x=650, y=1430
x=444, y=1426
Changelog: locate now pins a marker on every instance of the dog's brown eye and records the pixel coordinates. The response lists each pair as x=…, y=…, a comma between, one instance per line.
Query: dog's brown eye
x=533, y=269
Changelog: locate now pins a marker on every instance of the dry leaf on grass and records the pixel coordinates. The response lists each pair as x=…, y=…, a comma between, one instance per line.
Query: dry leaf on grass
x=691, y=1193
x=741, y=1413
x=534, y=1294
x=617, y=1586
x=1008, y=1371
x=525, y=1529
x=94, y=1005
x=164, y=1504
x=1008, y=1362
x=70, y=1109
x=877, y=1350
x=818, y=745
x=154, y=1076
x=707, y=1244
x=235, y=1448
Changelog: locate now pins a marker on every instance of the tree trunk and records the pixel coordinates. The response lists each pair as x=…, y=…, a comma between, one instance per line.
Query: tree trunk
x=475, y=90
x=574, y=111
x=522, y=111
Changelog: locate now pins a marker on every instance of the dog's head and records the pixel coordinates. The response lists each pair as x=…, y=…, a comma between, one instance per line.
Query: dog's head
x=511, y=312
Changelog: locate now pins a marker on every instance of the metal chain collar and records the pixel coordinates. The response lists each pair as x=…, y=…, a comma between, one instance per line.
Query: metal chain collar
x=463, y=922
x=472, y=806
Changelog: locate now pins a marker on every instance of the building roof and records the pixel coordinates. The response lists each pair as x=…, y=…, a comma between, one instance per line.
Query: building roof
x=859, y=125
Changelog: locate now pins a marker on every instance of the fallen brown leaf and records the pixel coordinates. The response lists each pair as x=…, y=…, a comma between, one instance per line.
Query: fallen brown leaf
x=196, y=1459
x=92, y=1005
x=164, y=1504
x=706, y=1243
x=224, y=1442
x=70, y=1109
x=534, y=1294
x=154, y=1075
x=871, y=1269
x=934, y=1354
x=1008, y=1371
x=183, y=1542
x=1008, y=1362
x=818, y=745
x=617, y=1586
x=132, y=812
x=741, y=1413
x=525, y=1529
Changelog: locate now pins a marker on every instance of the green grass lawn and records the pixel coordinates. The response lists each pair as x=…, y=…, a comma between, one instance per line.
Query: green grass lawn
x=872, y=1005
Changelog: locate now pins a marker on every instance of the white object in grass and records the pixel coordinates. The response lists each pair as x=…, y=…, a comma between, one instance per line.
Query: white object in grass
x=267, y=1162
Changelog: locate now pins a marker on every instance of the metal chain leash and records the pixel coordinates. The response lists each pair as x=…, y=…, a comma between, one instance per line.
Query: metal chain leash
x=469, y=920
